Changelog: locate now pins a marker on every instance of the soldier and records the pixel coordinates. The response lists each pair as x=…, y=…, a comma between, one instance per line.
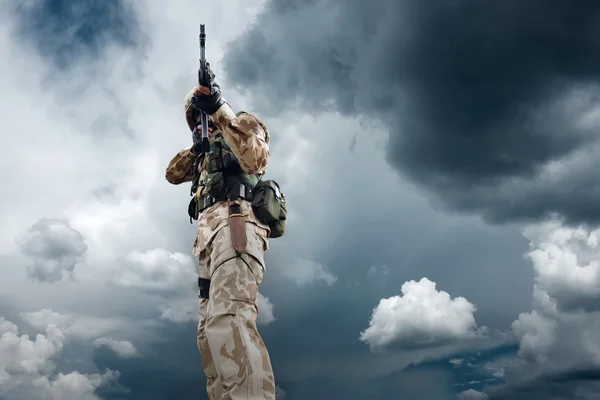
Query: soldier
x=230, y=244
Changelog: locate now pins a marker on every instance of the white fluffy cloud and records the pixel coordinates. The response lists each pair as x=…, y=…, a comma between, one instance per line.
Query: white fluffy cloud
x=422, y=316
x=566, y=262
x=71, y=386
x=27, y=368
x=559, y=332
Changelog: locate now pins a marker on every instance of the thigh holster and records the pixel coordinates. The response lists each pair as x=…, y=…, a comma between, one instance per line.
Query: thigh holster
x=203, y=288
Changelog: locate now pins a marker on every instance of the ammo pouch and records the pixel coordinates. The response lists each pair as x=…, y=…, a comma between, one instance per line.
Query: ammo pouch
x=269, y=206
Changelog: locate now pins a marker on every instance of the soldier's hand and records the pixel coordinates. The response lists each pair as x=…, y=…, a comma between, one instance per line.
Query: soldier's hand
x=197, y=140
x=201, y=90
x=208, y=100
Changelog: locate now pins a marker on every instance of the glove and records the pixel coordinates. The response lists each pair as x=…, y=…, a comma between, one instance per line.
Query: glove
x=209, y=103
x=197, y=139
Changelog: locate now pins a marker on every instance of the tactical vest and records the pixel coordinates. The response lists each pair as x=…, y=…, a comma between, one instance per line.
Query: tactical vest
x=224, y=177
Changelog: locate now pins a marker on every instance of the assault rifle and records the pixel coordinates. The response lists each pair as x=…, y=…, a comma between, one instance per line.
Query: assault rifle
x=204, y=79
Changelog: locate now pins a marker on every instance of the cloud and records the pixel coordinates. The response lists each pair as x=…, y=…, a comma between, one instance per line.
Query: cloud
x=173, y=277
x=108, y=117
x=457, y=362
x=422, y=316
x=170, y=275
x=180, y=310
x=108, y=120
x=559, y=345
x=471, y=394
x=185, y=309
x=71, y=386
x=81, y=326
x=566, y=263
x=155, y=271
x=280, y=394
x=304, y=271
x=65, y=32
x=123, y=348
x=265, y=310
x=379, y=273
x=375, y=270
x=55, y=248
x=490, y=117
x=27, y=369
x=23, y=356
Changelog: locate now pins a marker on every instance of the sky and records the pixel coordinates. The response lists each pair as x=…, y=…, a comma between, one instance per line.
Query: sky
x=438, y=161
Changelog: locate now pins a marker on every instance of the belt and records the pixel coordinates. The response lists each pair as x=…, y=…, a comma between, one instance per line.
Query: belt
x=238, y=191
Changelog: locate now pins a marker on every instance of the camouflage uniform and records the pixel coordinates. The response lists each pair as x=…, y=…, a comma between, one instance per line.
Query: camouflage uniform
x=234, y=357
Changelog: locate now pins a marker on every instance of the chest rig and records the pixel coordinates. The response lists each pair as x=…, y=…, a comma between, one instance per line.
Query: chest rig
x=217, y=176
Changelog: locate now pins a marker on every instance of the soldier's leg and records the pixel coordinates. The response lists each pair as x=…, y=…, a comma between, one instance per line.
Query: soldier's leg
x=214, y=387
x=239, y=353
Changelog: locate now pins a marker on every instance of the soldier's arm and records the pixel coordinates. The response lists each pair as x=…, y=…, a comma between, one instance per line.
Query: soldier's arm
x=246, y=138
x=179, y=169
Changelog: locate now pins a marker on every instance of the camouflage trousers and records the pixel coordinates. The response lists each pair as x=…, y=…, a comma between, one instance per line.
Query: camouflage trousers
x=234, y=357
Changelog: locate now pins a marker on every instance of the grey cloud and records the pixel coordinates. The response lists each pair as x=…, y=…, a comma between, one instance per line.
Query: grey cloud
x=265, y=310
x=565, y=261
x=28, y=369
x=55, y=248
x=156, y=271
x=360, y=223
x=559, y=347
x=580, y=384
x=471, y=394
x=490, y=105
x=123, y=348
x=427, y=382
x=393, y=231
x=281, y=394
x=304, y=271
x=67, y=32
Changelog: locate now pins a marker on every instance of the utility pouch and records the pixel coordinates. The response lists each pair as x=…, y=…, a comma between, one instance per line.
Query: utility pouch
x=237, y=225
x=278, y=226
x=193, y=209
x=269, y=206
x=215, y=184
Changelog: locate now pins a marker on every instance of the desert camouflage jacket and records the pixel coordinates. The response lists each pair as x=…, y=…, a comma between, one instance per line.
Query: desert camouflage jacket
x=248, y=139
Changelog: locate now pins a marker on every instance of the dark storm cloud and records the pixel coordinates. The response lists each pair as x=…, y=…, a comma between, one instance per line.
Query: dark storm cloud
x=64, y=30
x=478, y=96
x=579, y=384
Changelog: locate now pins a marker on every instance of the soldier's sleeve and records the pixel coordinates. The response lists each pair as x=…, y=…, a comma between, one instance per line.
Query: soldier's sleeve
x=247, y=137
x=179, y=169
